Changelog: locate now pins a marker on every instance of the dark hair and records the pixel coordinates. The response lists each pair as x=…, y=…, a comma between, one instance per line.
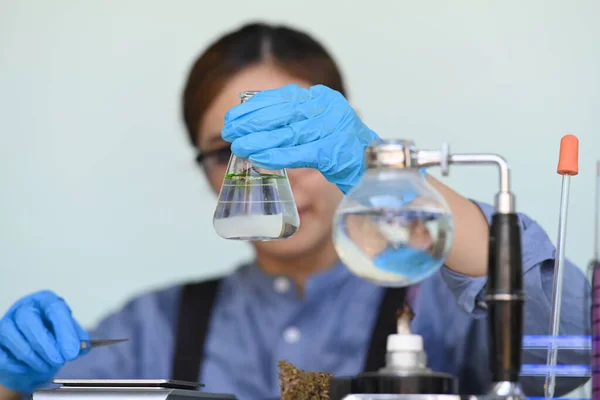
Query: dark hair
x=293, y=51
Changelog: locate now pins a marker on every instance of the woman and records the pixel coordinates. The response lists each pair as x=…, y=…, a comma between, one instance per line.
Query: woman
x=294, y=301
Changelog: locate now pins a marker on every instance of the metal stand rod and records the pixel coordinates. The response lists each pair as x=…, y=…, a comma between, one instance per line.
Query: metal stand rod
x=504, y=297
x=493, y=159
x=443, y=158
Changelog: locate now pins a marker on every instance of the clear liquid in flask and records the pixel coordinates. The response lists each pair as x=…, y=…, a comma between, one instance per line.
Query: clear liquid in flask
x=393, y=246
x=255, y=204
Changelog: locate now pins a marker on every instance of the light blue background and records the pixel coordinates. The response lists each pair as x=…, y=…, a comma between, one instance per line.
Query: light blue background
x=100, y=198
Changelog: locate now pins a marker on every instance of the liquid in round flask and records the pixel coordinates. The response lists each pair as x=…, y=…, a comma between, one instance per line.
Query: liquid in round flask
x=393, y=228
x=255, y=204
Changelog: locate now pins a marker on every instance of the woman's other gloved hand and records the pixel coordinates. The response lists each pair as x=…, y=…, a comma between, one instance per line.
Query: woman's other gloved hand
x=37, y=336
x=292, y=127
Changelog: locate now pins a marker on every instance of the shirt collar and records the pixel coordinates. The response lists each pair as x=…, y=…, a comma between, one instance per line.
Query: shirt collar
x=315, y=287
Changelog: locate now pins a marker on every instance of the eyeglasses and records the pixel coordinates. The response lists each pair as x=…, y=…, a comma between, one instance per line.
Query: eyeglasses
x=214, y=158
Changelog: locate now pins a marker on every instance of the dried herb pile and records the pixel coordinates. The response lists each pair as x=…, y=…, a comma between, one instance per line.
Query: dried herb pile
x=297, y=384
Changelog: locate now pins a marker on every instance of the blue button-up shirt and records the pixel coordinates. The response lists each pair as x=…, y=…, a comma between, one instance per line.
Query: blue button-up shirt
x=259, y=319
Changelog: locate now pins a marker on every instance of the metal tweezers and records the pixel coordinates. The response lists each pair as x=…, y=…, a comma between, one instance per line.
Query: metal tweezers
x=88, y=344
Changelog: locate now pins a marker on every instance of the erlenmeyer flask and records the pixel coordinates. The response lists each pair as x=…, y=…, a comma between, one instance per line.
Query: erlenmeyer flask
x=254, y=203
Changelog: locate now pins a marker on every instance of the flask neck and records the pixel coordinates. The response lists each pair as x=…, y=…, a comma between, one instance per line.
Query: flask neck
x=392, y=173
x=392, y=168
x=245, y=96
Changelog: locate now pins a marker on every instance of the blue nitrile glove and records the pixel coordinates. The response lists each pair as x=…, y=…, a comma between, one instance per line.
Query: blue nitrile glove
x=37, y=336
x=414, y=264
x=292, y=127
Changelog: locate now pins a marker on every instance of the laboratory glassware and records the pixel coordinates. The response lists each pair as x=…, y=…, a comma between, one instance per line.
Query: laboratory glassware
x=504, y=294
x=393, y=229
x=568, y=165
x=255, y=204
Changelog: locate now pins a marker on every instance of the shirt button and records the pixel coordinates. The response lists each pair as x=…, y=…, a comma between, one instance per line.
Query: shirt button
x=292, y=335
x=281, y=284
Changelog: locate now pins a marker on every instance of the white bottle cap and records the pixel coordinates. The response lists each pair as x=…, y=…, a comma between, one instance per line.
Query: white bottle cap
x=404, y=343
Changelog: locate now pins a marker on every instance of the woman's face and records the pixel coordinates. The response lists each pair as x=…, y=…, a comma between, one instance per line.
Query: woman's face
x=315, y=197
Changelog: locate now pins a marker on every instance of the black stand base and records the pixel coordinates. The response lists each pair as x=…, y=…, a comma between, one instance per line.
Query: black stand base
x=378, y=383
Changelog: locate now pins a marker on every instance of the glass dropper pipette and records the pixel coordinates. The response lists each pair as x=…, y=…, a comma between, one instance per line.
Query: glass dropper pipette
x=568, y=165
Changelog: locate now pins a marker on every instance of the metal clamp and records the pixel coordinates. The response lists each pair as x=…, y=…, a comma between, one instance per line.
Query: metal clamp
x=403, y=154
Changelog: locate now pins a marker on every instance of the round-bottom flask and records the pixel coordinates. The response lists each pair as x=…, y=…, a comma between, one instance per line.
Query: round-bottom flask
x=393, y=229
x=255, y=204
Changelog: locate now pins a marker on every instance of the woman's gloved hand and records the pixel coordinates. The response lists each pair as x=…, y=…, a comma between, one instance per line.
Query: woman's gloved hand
x=37, y=336
x=292, y=127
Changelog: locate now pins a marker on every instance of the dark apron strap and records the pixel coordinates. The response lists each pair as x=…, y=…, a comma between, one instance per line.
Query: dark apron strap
x=195, y=309
x=386, y=324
